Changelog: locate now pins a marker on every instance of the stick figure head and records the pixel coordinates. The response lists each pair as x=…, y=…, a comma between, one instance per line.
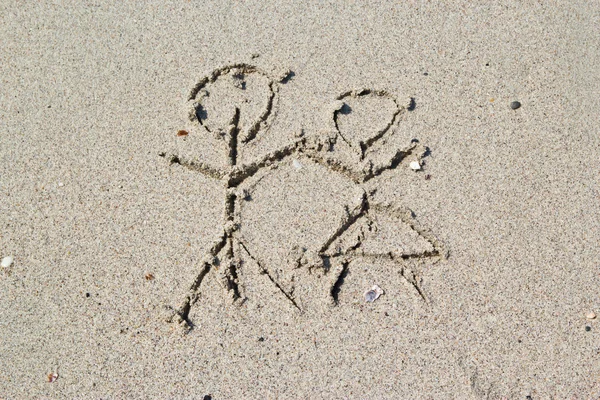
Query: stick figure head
x=241, y=95
x=364, y=140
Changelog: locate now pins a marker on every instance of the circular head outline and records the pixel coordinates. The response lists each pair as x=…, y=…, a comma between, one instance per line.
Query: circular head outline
x=265, y=118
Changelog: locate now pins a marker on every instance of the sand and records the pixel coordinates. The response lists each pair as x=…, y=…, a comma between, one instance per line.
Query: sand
x=232, y=260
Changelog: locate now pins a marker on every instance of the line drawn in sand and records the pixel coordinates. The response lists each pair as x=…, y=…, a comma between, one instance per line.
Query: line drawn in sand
x=231, y=109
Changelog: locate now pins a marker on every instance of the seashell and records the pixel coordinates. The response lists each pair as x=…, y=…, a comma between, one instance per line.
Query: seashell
x=52, y=377
x=6, y=262
x=373, y=294
x=591, y=315
x=415, y=165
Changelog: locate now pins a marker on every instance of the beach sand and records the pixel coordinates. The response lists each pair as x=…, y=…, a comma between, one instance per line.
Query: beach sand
x=231, y=261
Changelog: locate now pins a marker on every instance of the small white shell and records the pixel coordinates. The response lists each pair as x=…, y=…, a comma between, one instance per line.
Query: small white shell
x=591, y=315
x=6, y=262
x=297, y=164
x=415, y=165
x=373, y=294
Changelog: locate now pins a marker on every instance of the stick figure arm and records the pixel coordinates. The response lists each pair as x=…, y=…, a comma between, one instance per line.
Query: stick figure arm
x=194, y=165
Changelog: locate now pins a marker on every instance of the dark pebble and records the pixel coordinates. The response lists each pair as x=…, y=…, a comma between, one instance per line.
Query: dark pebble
x=261, y=339
x=588, y=328
x=87, y=295
x=515, y=104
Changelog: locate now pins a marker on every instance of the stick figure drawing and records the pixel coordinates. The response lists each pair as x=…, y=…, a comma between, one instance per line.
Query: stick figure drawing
x=232, y=109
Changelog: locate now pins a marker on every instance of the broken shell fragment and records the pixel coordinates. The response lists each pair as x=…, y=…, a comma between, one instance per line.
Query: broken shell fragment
x=591, y=315
x=6, y=262
x=373, y=294
x=415, y=165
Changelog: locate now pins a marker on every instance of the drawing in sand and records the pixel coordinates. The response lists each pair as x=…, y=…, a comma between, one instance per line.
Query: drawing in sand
x=231, y=109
